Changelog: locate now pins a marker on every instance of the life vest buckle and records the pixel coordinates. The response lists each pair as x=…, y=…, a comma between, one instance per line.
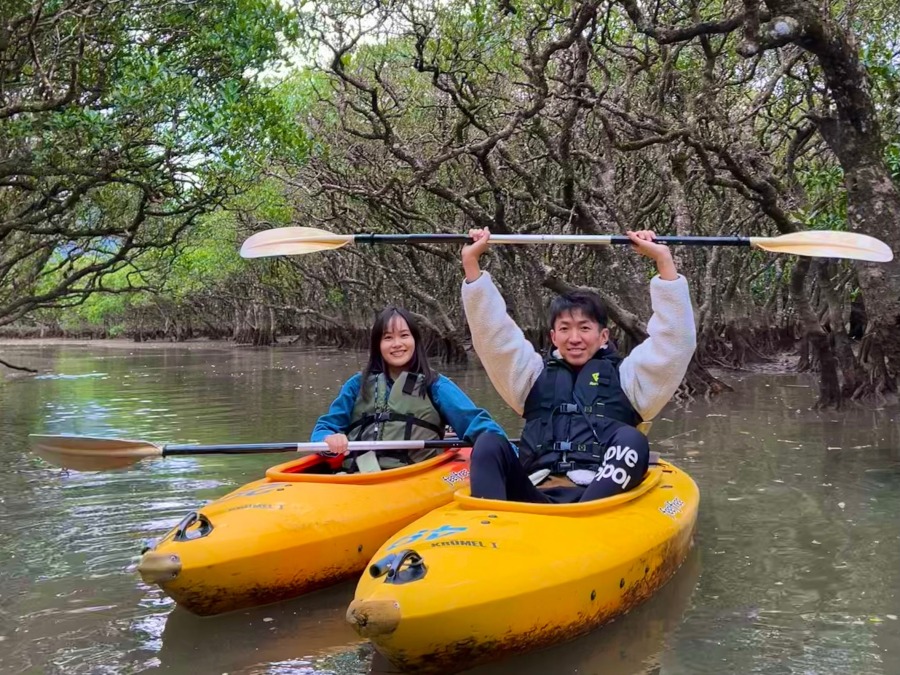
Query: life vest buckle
x=567, y=408
x=566, y=465
x=562, y=446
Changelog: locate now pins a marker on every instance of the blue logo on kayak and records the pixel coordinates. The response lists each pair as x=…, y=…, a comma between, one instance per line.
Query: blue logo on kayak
x=427, y=535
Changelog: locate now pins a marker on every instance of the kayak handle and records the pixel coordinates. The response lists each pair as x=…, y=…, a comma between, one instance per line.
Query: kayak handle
x=392, y=567
x=182, y=532
x=413, y=571
x=380, y=568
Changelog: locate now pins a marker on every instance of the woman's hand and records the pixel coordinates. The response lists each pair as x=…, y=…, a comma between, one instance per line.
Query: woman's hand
x=337, y=445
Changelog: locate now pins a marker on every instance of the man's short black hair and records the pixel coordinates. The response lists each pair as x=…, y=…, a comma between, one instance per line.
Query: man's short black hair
x=586, y=302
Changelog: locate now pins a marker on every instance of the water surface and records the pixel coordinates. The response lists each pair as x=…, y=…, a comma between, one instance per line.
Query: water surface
x=796, y=568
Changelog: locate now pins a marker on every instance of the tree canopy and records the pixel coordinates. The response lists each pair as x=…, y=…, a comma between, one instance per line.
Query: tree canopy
x=725, y=117
x=121, y=123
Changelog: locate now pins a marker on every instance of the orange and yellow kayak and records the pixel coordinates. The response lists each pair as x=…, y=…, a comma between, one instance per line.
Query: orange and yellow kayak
x=299, y=529
x=478, y=579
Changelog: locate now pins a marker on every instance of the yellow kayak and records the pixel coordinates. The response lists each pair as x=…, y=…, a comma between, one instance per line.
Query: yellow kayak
x=299, y=529
x=479, y=579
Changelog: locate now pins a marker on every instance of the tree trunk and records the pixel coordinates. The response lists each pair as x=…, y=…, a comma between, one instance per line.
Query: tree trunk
x=851, y=375
x=816, y=338
x=873, y=202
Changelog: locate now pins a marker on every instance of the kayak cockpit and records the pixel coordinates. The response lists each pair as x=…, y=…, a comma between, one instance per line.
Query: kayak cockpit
x=654, y=476
x=319, y=469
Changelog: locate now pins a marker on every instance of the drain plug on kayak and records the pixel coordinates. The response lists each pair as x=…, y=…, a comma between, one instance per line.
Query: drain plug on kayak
x=158, y=568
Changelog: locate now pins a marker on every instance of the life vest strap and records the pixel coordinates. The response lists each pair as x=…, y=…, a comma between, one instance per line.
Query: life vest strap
x=573, y=409
x=593, y=449
x=409, y=420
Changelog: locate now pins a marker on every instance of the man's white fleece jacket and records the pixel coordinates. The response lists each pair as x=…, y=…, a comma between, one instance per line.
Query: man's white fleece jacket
x=649, y=375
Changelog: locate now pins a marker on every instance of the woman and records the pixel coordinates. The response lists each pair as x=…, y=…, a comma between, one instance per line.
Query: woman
x=398, y=396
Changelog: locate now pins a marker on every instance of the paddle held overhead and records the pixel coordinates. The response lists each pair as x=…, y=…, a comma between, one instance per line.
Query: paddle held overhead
x=813, y=243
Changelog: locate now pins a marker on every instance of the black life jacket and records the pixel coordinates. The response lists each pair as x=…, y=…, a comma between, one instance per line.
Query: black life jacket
x=402, y=412
x=566, y=412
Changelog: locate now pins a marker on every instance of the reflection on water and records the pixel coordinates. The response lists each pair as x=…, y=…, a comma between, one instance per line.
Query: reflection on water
x=797, y=568
x=305, y=633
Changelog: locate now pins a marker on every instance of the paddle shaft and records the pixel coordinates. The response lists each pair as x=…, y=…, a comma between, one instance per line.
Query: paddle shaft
x=614, y=239
x=174, y=450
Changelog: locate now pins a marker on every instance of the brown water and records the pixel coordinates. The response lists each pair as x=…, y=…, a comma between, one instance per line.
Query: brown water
x=796, y=569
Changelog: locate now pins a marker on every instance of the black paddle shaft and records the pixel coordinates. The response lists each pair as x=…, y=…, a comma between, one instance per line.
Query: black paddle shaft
x=172, y=450
x=253, y=448
x=688, y=241
x=614, y=239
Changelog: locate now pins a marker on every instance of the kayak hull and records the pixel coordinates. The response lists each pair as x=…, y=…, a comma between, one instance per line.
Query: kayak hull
x=293, y=532
x=498, y=578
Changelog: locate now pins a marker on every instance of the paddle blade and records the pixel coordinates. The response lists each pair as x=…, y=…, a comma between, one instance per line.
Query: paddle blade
x=827, y=244
x=292, y=241
x=86, y=453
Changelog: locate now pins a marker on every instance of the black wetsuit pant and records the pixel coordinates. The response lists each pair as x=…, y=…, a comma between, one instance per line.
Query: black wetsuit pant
x=497, y=473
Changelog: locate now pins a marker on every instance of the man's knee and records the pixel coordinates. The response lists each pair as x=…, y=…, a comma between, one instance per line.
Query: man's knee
x=624, y=439
x=626, y=458
x=489, y=445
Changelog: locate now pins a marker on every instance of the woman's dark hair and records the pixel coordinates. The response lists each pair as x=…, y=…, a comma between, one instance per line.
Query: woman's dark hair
x=419, y=362
x=586, y=302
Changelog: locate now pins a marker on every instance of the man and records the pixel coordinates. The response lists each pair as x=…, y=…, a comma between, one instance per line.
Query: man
x=582, y=404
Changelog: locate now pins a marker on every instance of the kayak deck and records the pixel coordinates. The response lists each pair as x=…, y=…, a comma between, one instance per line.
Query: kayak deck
x=484, y=578
x=299, y=529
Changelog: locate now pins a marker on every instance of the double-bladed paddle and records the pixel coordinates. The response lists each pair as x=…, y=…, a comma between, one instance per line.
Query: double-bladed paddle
x=814, y=243
x=90, y=453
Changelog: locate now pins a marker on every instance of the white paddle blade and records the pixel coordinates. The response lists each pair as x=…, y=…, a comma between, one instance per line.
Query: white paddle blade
x=292, y=241
x=827, y=244
x=87, y=453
